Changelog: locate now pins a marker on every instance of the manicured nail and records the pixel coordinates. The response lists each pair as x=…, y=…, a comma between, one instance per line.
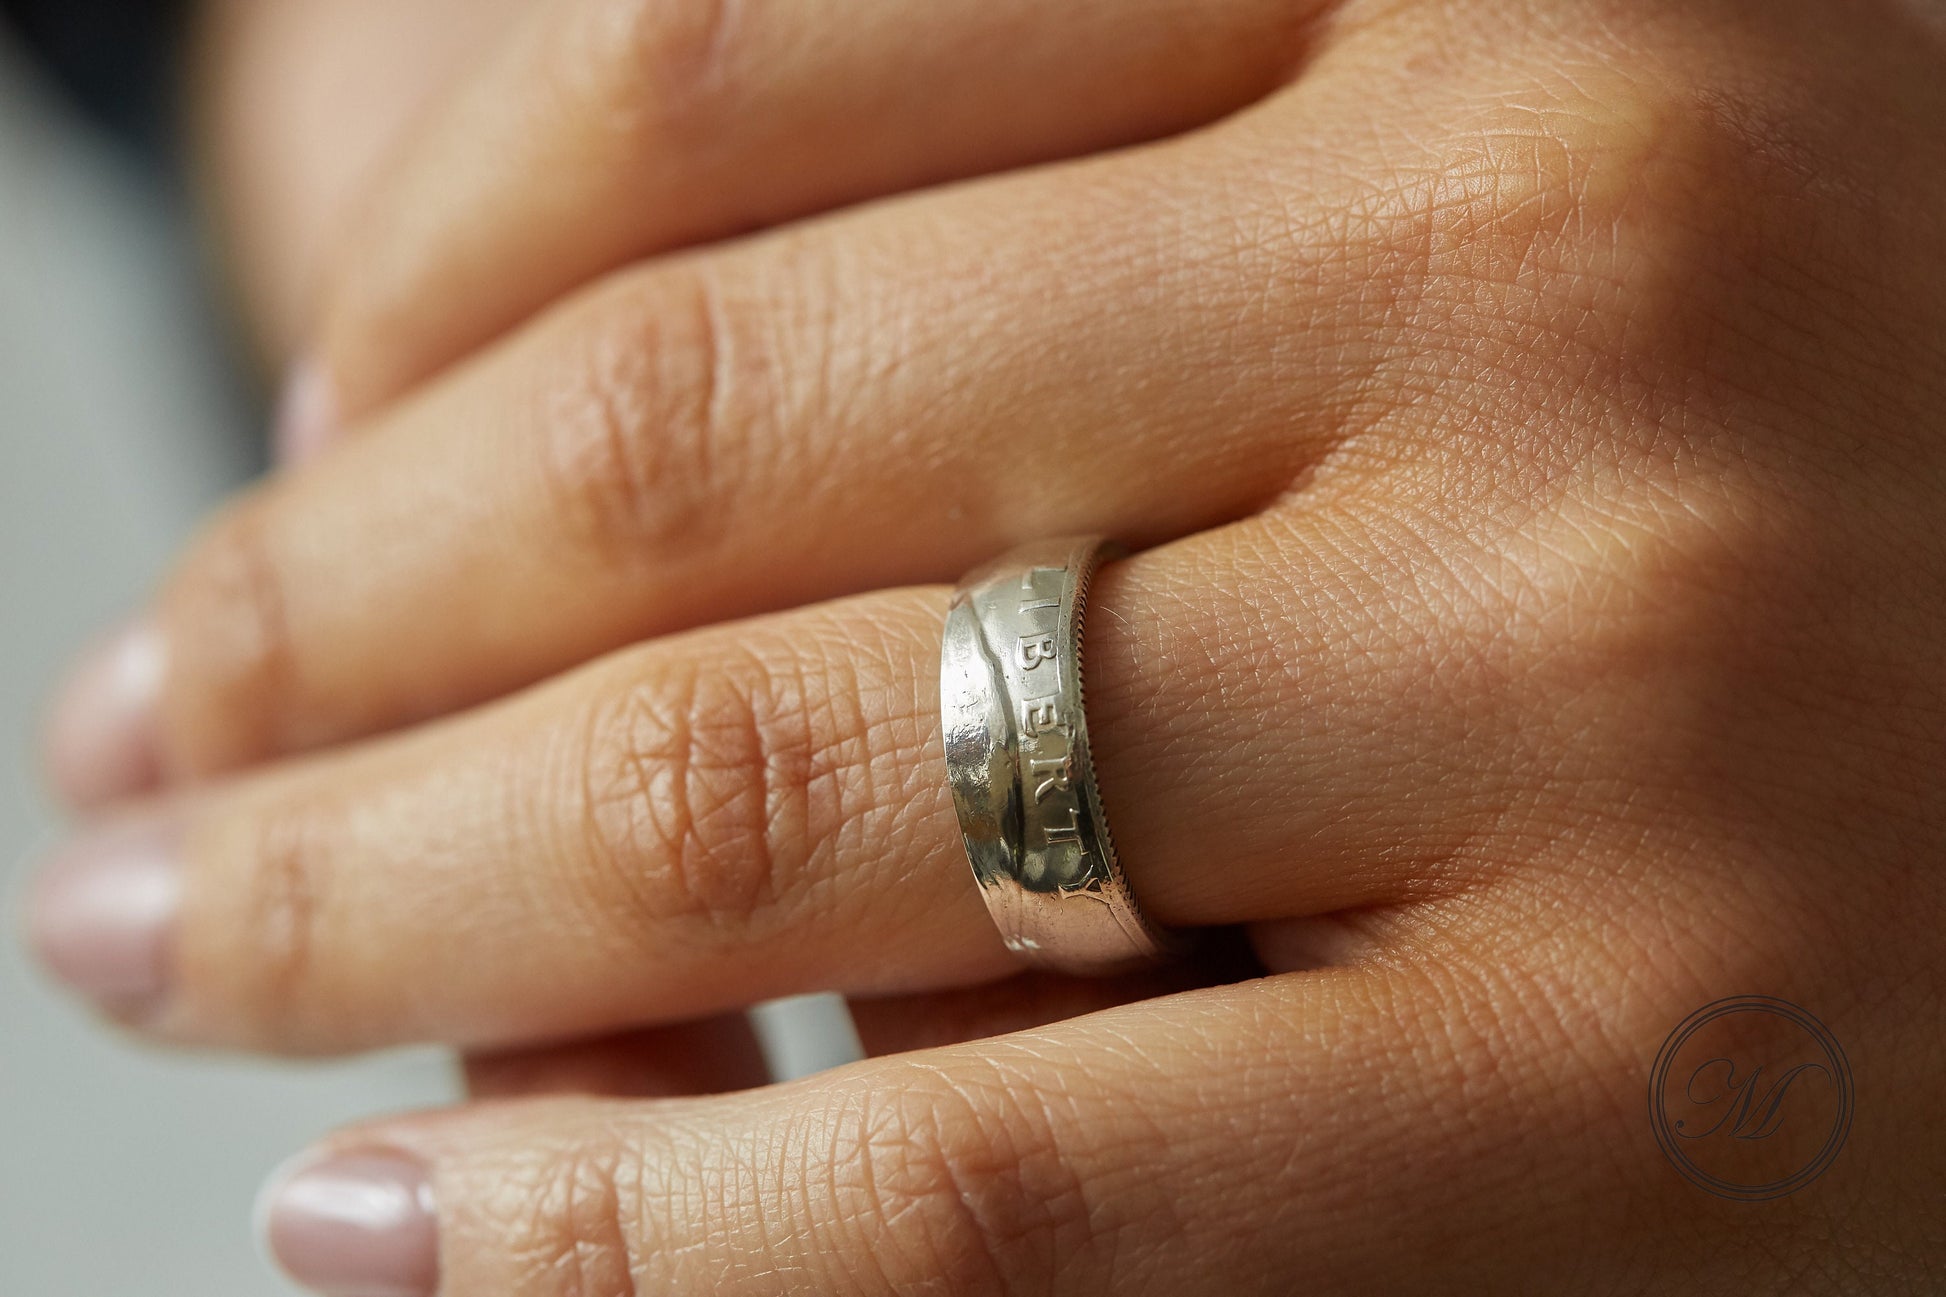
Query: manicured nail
x=101, y=736
x=354, y=1225
x=307, y=415
x=102, y=916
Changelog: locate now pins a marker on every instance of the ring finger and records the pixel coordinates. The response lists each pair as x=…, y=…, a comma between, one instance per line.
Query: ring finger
x=754, y=811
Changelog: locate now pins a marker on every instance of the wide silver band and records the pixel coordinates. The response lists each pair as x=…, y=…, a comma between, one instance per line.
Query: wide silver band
x=1017, y=757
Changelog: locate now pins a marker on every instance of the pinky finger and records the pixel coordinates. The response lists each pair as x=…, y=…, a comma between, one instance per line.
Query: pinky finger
x=1243, y=1139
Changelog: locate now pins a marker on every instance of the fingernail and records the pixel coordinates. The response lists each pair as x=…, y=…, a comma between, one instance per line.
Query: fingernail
x=307, y=415
x=101, y=735
x=354, y=1225
x=102, y=915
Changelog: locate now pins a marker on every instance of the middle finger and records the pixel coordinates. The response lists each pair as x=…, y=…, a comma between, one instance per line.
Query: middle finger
x=879, y=400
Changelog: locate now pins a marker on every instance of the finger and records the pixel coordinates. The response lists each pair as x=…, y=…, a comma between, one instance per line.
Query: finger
x=286, y=149
x=886, y=400
x=658, y=124
x=722, y=1054
x=760, y=810
x=900, y=1024
x=1376, y=1131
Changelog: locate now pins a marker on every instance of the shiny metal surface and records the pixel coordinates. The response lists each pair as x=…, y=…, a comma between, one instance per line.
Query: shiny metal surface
x=1016, y=736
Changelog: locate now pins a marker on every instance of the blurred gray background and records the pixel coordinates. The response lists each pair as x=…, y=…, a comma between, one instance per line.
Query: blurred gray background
x=121, y=1172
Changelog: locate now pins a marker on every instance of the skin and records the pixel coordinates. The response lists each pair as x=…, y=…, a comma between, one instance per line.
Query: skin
x=1528, y=419
x=297, y=105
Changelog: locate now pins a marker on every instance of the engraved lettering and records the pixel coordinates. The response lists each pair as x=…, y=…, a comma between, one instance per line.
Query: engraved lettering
x=1030, y=579
x=1053, y=773
x=1038, y=715
x=1069, y=832
x=1034, y=651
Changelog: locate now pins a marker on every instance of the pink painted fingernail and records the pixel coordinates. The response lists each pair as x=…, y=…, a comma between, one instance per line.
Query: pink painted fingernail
x=102, y=915
x=307, y=415
x=102, y=740
x=354, y=1225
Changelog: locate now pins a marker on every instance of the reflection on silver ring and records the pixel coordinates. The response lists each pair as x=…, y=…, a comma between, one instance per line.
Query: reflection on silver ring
x=1018, y=760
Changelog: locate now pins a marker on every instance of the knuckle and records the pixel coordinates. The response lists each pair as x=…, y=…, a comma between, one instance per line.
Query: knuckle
x=666, y=64
x=574, y=1224
x=641, y=446
x=1528, y=180
x=282, y=896
x=232, y=696
x=956, y=1185
x=1589, y=225
x=1582, y=164
x=708, y=791
x=1703, y=164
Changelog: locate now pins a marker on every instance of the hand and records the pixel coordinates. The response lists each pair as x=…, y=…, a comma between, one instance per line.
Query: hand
x=1530, y=424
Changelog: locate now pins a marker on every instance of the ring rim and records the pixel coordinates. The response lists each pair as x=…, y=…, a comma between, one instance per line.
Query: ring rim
x=1013, y=714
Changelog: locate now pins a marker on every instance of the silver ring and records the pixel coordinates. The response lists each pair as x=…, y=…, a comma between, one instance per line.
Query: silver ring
x=1017, y=757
